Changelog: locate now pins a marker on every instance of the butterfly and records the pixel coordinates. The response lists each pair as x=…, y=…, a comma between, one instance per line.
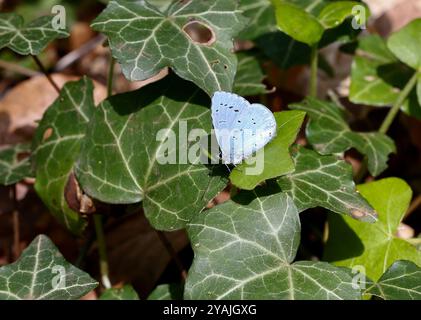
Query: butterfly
x=241, y=128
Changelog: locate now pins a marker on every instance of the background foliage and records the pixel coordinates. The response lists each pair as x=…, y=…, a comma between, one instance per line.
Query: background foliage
x=335, y=195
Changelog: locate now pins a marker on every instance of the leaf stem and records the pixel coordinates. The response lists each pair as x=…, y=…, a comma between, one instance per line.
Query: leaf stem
x=413, y=206
x=90, y=239
x=110, y=76
x=173, y=254
x=313, y=73
x=335, y=99
x=47, y=75
x=387, y=122
x=18, y=69
x=362, y=172
x=16, y=225
x=102, y=250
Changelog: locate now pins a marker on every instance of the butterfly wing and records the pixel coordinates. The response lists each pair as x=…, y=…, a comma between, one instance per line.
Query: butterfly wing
x=226, y=108
x=252, y=130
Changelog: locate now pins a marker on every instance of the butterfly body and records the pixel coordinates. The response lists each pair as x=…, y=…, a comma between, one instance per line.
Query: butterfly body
x=241, y=128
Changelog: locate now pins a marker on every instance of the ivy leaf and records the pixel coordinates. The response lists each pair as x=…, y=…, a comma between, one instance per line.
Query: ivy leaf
x=29, y=39
x=334, y=13
x=192, y=37
x=329, y=133
x=130, y=138
x=249, y=76
x=287, y=52
x=369, y=85
x=162, y=5
x=171, y=291
x=237, y=259
x=324, y=181
x=306, y=20
x=374, y=246
x=288, y=126
x=283, y=50
x=377, y=76
x=402, y=281
x=125, y=293
x=41, y=273
x=419, y=90
x=298, y=23
x=261, y=16
x=281, y=47
x=405, y=45
x=56, y=147
x=309, y=6
x=12, y=168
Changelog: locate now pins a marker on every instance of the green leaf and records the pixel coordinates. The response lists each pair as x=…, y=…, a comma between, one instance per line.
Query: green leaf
x=377, y=77
x=329, y=133
x=171, y=291
x=405, y=44
x=41, y=273
x=283, y=50
x=373, y=246
x=261, y=16
x=162, y=5
x=12, y=168
x=244, y=249
x=307, y=20
x=29, y=39
x=56, y=147
x=288, y=126
x=125, y=293
x=369, y=85
x=298, y=23
x=344, y=33
x=249, y=76
x=286, y=51
x=402, y=281
x=131, y=136
x=324, y=181
x=145, y=40
x=419, y=89
x=335, y=13
x=312, y=7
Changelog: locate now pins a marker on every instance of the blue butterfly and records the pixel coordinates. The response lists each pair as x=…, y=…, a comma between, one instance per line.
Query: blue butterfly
x=241, y=128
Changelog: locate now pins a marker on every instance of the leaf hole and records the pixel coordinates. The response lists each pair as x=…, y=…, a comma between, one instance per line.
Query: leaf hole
x=199, y=33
